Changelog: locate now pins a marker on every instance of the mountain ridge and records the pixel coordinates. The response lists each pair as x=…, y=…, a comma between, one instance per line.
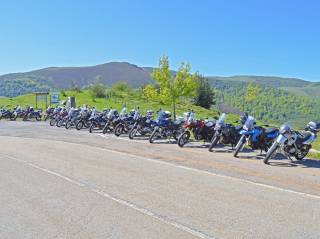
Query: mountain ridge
x=56, y=77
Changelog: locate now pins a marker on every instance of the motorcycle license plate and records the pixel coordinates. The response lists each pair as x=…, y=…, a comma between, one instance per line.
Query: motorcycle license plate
x=281, y=139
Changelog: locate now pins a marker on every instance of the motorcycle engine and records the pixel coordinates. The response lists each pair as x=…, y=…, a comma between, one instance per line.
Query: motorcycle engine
x=290, y=149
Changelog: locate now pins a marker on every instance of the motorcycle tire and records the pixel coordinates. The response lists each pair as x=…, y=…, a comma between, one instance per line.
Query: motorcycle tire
x=79, y=125
x=270, y=152
x=68, y=124
x=118, y=130
x=52, y=122
x=38, y=118
x=183, y=139
x=214, y=142
x=105, y=128
x=239, y=146
x=91, y=127
x=133, y=132
x=153, y=135
x=59, y=123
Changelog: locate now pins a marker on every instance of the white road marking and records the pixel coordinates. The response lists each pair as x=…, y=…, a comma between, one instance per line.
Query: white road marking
x=93, y=189
x=197, y=170
x=215, y=174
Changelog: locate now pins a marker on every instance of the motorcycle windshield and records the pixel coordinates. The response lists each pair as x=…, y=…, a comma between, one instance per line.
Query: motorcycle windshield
x=110, y=114
x=285, y=128
x=221, y=119
x=136, y=115
x=189, y=117
x=123, y=111
x=248, y=125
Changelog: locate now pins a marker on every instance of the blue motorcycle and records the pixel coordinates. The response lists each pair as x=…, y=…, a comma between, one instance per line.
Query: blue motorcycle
x=166, y=128
x=257, y=137
x=143, y=124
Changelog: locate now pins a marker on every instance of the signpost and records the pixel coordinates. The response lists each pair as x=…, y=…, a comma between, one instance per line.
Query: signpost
x=54, y=98
x=41, y=97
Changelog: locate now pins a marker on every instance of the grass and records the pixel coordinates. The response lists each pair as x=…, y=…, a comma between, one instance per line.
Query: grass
x=130, y=101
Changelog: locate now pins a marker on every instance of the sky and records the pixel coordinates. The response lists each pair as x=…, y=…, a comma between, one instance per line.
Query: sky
x=217, y=37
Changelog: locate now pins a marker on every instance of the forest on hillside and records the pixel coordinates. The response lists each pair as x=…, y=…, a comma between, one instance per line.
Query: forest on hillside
x=269, y=104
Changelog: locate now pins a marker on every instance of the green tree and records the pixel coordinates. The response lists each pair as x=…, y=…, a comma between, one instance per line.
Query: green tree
x=97, y=90
x=173, y=87
x=205, y=96
x=252, y=92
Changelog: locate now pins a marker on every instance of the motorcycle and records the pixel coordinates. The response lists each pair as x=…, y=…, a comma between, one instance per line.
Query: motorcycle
x=166, y=128
x=5, y=114
x=256, y=137
x=294, y=144
x=142, y=125
x=83, y=121
x=72, y=119
x=61, y=117
x=112, y=120
x=124, y=123
x=97, y=120
x=201, y=129
x=225, y=133
x=55, y=115
x=17, y=113
x=49, y=113
x=30, y=113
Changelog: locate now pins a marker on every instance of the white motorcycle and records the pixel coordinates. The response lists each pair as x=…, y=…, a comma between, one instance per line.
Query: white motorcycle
x=294, y=144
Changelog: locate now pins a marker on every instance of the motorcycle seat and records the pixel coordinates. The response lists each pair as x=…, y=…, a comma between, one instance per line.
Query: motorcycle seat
x=270, y=130
x=305, y=135
x=238, y=127
x=209, y=124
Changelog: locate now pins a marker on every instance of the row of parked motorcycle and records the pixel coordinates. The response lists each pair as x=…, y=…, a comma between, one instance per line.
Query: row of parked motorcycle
x=28, y=113
x=295, y=145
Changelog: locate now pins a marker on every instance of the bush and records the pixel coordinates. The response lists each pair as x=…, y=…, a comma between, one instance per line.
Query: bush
x=97, y=90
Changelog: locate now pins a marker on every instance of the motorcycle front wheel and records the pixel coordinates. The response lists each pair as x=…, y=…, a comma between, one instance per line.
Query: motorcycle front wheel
x=118, y=130
x=270, y=152
x=153, y=135
x=133, y=132
x=214, y=142
x=183, y=139
x=239, y=146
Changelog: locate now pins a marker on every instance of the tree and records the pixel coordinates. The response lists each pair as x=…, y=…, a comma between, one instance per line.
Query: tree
x=252, y=92
x=204, y=93
x=173, y=87
x=97, y=90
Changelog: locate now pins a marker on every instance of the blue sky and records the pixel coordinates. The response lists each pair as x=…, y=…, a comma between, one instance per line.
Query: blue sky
x=261, y=37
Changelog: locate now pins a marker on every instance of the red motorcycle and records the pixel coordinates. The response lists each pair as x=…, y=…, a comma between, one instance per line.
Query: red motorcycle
x=200, y=129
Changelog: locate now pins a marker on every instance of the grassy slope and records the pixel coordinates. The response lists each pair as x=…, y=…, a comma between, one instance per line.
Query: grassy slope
x=130, y=101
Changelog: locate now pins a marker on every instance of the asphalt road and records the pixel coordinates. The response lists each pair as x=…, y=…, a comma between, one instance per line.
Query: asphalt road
x=58, y=183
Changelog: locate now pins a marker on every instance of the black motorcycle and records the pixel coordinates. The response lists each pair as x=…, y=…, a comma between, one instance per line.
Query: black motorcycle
x=225, y=133
x=143, y=125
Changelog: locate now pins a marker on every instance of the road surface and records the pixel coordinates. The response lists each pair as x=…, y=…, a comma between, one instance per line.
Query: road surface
x=58, y=183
